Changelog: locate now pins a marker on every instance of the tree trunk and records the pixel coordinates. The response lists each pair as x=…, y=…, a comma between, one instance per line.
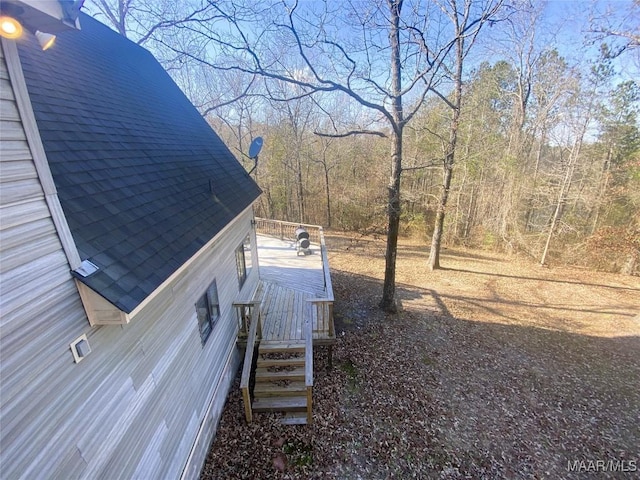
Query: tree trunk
x=470, y=214
x=388, y=301
x=300, y=188
x=326, y=187
x=566, y=183
x=534, y=181
x=459, y=217
x=602, y=188
x=326, y=183
x=436, y=239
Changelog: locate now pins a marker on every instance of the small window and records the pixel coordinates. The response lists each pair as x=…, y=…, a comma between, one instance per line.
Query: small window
x=247, y=254
x=241, y=263
x=208, y=310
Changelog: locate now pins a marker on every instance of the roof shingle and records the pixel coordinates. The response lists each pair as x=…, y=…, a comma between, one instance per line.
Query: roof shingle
x=132, y=159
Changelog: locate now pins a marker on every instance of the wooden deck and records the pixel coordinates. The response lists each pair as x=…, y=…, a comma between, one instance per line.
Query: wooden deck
x=280, y=264
x=290, y=314
x=288, y=282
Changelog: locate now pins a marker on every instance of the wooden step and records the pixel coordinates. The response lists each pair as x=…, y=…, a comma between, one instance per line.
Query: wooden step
x=264, y=375
x=281, y=347
x=294, y=418
x=269, y=389
x=280, y=404
x=281, y=362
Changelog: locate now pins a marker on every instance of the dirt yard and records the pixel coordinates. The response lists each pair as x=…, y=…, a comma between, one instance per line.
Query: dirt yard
x=494, y=368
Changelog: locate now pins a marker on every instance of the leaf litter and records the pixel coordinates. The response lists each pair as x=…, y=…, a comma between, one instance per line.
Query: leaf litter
x=493, y=368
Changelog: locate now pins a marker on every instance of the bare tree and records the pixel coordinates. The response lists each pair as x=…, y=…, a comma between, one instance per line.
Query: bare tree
x=326, y=168
x=467, y=23
x=579, y=118
x=143, y=20
x=386, y=57
x=156, y=24
x=552, y=83
x=567, y=178
x=616, y=28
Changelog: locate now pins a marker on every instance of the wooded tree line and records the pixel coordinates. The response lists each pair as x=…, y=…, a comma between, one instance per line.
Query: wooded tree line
x=516, y=175
x=456, y=120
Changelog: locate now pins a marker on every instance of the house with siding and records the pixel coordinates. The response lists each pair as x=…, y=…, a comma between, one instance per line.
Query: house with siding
x=126, y=234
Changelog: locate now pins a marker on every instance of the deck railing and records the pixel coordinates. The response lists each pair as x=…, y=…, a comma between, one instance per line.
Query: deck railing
x=287, y=230
x=245, y=311
x=323, y=305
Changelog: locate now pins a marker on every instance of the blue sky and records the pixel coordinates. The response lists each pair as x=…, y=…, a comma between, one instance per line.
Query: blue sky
x=568, y=22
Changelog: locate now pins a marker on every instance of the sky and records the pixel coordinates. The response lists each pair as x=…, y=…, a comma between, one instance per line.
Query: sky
x=565, y=23
x=568, y=22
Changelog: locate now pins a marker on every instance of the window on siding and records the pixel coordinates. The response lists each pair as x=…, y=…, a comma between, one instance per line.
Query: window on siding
x=243, y=260
x=208, y=310
x=247, y=254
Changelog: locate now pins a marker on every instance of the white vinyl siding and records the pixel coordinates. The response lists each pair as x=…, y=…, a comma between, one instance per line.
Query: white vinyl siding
x=147, y=398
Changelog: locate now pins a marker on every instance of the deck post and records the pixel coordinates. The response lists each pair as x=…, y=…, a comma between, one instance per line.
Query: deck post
x=259, y=320
x=246, y=398
x=332, y=332
x=241, y=316
x=309, y=405
x=247, y=368
x=308, y=367
x=243, y=320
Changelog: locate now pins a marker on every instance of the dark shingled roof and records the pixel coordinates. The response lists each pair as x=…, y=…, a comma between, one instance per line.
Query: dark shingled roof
x=143, y=180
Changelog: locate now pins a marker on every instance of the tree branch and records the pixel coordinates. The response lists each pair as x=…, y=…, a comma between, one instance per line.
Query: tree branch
x=350, y=133
x=435, y=163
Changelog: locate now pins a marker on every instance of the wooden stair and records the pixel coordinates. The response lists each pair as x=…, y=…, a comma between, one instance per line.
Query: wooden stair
x=280, y=381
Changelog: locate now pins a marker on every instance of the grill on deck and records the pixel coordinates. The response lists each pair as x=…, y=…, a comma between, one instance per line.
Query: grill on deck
x=302, y=241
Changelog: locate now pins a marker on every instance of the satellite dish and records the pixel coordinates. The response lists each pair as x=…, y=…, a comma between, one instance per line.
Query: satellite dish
x=254, y=150
x=255, y=147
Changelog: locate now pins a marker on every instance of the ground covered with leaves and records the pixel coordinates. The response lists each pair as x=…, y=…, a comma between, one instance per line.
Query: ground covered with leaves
x=493, y=368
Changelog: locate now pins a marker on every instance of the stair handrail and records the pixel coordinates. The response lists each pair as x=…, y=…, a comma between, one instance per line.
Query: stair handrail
x=308, y=366
x=247, y=366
